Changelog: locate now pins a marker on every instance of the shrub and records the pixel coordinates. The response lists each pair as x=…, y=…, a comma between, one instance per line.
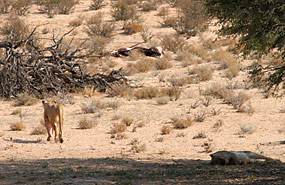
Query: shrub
x=15, y=29
x=166, y=129
x=181, y=81
x=169, y=21
x=17, y=126
x=39, y=130
x=66, y=6
x=122, y=90
x=96, y=4
x=86, y=123
x=179, y=123
x=191, y=16
x=118, y=128
x=21, y=6
x=138, y=148
x=132, y=28
x=163, y=11
x=96, y=26
x=147, y=93
x=75, y=22
x=90, y=91
x=204, y=73
x=162, y=64
x=25, y=99
x=173, y=43
x=17, y=112
x=122, y=10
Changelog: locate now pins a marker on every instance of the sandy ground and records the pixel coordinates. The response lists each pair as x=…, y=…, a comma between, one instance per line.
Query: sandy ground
x=267, y=120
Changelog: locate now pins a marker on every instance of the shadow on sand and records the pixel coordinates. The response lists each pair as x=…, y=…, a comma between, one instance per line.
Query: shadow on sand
x=129, y=171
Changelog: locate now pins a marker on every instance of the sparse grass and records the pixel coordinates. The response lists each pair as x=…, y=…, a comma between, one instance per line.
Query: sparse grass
x=25, y=99
x=137, y=148
x=39, y=130
x=147, y=93
x=173, y=43
x=180, y=123
x=166, y=129
x=86, y=123
x=92, y=107
x=75, y=22
x=200, y=135
x=97, y=44
x=163, y=11
x=118, y=128
x=172, y=92
x=113, y=104
x=127, y=121
x=246, y=108
x=197, y=50
x=66, y=6
x=52, y=7
x=19, y=126
x=162, y=100
x=206, y=101
x=159, y=139
x=204, y=73
x=182, y=81
x=246, y=129
x=140, y=124
x=132, y=28
x=97, y=27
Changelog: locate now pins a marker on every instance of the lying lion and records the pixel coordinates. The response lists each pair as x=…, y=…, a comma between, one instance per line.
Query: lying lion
x=235, y=157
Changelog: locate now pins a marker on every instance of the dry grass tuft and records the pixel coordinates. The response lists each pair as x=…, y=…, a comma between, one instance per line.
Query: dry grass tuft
x=96, y=4
x=180, y=123
x=127, y=121
x=137, y=147
x=162, y=64
x=217, y=126
x=149, y=5
x=17, y=112
x=19, y=126
x=121, y=90
x=166, y=129
x=86, y=123
x=90, y=91
x=39, y=130
x=118, y=128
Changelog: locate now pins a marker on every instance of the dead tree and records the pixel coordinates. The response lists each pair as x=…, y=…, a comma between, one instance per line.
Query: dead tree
x=53, y=69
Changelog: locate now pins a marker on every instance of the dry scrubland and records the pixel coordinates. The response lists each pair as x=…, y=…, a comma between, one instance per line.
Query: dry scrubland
x=194, y=101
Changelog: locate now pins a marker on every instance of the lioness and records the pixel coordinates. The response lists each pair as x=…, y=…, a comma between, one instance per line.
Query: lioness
x=54, y=117
x=235, y=157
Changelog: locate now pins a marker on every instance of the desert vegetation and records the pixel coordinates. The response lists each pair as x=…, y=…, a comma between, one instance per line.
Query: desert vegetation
x=210, y=90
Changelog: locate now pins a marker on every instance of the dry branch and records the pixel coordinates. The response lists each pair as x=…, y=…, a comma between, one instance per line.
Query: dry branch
x=27, y=68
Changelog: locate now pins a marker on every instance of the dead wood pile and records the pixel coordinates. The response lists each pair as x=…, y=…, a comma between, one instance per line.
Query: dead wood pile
x=52, y=70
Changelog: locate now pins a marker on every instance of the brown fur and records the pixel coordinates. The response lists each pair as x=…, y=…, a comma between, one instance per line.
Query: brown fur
x=54, y=117
x=235, y=157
